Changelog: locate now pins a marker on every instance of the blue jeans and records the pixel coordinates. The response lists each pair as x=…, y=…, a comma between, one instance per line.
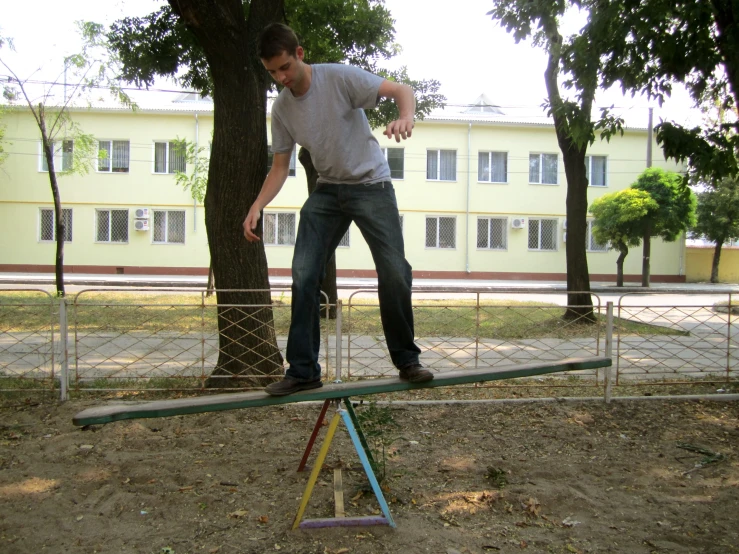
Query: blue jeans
x=324, y=219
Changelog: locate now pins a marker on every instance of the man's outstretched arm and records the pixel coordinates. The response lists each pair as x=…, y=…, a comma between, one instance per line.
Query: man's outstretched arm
x=403, y=97
x=272, y=185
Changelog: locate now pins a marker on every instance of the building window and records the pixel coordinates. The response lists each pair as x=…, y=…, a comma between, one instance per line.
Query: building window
x=441, y=232
x=543, y=169
x=595, y=171
x=293, y=160
x=491, y=233
x=112, y=226
x=169, y=227
x=63, y=156
x=593, y=245
x=279, y=228
x=492, y=167
x=441, y=165
x=169, y=157
x=47, y=224
x=114, y=156
x=396, y=160
x=345, y=241
x=542, y=234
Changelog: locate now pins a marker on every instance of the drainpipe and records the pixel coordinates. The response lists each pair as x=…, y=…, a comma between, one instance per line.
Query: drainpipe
x=194, y=201
x=467, y=210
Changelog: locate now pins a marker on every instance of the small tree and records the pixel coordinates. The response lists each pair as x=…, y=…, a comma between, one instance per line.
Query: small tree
x=196, y=182
x=718, y=218
x=619, y=220
x=60, y=135
x=675, y=212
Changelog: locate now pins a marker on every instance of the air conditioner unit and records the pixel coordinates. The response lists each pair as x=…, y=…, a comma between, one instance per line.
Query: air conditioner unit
x=141, y=213
x=564, y=225
x=518, y=223
x=141, y=224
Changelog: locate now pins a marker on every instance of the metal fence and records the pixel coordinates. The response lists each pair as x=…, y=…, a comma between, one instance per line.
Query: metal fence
x=107, y=339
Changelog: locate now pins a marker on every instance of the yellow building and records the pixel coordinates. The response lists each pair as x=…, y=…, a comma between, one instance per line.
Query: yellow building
x=481, y=195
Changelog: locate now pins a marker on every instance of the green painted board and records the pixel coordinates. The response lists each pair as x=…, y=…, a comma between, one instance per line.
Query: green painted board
x=234, y=401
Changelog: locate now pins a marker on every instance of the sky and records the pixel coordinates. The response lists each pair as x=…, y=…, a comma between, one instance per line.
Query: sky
x=455, y=43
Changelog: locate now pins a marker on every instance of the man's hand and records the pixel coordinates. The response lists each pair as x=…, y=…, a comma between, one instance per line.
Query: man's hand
x=250, y=223
x=400, y=129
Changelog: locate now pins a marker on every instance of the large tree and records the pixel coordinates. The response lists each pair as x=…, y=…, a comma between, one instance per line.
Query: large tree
x=649, y=45
x=211, y=46
x=619, y=218
x=718, y=218
x=575, y=130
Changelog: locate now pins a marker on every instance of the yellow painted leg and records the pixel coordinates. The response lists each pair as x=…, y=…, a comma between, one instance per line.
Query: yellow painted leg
x=317, y=469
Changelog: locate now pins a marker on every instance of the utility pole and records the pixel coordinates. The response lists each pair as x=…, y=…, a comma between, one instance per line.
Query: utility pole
x=647, y=243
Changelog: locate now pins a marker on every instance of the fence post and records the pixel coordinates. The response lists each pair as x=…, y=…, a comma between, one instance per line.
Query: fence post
x=63, y=342
x=728, y=338
x=609, y=351
x=339, y=332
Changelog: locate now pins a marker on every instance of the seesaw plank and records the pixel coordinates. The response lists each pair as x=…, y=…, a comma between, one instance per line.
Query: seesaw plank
x=234, y=401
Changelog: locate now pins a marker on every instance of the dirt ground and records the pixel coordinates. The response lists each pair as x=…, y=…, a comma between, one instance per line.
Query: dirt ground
x=646, y=476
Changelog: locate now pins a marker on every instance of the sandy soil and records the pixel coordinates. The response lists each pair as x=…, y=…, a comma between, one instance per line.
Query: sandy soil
x=564, y=477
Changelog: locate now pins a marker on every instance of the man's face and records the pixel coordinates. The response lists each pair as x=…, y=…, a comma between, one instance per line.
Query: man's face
x=286, y=69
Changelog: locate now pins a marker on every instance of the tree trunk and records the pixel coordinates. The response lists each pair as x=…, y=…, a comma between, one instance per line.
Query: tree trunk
x=579, y=300
x=247, y=339
x=646, y=254
x=623, y=252
x=716, y=260
x=726, y=14
x=578, y=276
x=58, y=217
x=328, y=285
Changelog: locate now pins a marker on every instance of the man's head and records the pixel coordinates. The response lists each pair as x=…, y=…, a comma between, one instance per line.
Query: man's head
x=276, y=39
x=282, y=57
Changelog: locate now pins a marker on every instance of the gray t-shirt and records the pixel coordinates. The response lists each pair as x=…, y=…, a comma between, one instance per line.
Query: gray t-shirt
x=330, y=122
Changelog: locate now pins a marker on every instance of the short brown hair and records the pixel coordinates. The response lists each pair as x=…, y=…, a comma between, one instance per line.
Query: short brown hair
x=276, y=39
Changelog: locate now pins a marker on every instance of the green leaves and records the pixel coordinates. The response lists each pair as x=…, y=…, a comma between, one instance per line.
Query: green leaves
x=197, y=181
x=675, y=211
x=718, y=212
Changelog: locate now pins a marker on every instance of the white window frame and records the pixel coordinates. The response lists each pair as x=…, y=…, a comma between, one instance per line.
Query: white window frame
x=166, y=227
x=590, y=238
x=555, y=240
x=438, y=232
x=169, y=144
x=589, y=170
x=67, y=229
x=541, y=168
x=437, y=152
x=292, y=168
x=488, y=219
x=99, y=212
x=278, y=216
x=385, y=153
x=490, y=165
x=59, y=158
x=110, y=143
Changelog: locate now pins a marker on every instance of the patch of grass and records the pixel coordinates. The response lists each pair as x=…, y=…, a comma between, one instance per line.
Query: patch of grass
x=180, y=313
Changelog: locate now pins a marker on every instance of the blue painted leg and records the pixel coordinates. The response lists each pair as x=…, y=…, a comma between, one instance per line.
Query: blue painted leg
x=367, y=466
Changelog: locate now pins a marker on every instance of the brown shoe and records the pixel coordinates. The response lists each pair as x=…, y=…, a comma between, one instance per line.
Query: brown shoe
x=415, y=373
x=290, y=385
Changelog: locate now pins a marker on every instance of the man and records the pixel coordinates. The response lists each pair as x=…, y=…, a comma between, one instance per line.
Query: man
x=321, y=108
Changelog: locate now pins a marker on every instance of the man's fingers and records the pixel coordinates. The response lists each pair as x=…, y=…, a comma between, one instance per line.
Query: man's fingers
x=399, y=130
